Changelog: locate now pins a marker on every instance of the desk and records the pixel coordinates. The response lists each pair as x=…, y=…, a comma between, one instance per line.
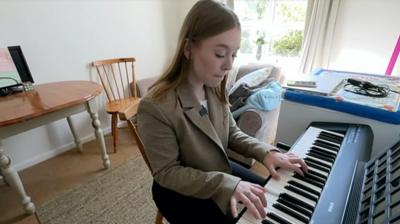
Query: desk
x=299, y=109
x=45, y=104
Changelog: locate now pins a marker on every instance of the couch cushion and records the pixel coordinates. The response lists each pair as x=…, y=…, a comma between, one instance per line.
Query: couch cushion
x=144, y=84
x=253, y=79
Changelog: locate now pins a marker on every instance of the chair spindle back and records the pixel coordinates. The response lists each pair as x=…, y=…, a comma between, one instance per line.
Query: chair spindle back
x=116, y=76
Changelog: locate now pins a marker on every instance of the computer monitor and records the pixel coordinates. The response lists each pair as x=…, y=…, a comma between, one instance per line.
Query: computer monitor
x=13, y=68
x=20, y=63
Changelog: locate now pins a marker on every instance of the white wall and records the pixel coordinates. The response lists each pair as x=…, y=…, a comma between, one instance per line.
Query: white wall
x=175, y=13
x=365, y=36
x=60, y=39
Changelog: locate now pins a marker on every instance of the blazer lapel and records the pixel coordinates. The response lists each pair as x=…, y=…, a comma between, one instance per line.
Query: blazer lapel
x=216, y=113
x=191, y=108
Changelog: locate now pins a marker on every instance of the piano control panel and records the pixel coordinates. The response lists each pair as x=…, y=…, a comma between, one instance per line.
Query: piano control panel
x=380, y=195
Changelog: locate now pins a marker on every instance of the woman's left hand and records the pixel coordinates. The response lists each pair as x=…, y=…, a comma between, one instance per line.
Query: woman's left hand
x=289, y=161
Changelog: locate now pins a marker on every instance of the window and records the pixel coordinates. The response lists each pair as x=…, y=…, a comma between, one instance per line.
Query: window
x=272, y=31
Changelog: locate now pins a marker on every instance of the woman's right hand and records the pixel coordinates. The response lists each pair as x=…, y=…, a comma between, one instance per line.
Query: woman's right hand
x=252, y=196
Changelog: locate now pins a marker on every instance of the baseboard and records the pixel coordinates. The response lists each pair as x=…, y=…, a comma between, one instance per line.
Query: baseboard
x=53, y=153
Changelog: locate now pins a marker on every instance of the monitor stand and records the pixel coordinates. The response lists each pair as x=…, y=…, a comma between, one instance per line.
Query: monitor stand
x=5, y=91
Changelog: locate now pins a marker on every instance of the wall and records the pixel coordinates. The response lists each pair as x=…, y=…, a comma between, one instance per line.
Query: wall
x=365, y=36
x=175, y=13
x=60, y=39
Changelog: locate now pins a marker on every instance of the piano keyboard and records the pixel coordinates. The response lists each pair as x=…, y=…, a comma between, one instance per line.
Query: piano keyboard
x=293, y=198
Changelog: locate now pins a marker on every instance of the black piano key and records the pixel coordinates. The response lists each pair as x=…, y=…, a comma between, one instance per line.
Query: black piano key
x=302, y=186
x=326, y=145
x=321, y=157
x=324, y=154
x=316, y=178
x=301, y=192
x=332, y=135
x=316, y=166
x=309, y=180
x=295, y=207
x=317, y=174
x=290, y=212
x=326, y=151
x=331, y=138
x=309, y=158
x=296, y=201
x=266, y=221
x=278, y=218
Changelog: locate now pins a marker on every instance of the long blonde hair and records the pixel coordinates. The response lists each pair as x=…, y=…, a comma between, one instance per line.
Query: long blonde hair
x=206, y=18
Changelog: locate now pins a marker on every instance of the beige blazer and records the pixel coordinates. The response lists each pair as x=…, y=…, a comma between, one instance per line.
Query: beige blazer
x=187, y=149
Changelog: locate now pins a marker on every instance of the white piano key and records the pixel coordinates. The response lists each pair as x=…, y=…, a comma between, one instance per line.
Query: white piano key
x=272, y=221
x=273, y=200
x=329, y=142
x=294, y=214
x=329, y=150
x=243, y=220
x=323, y=173
x=287, y=178
x=247, y=216
x=315, y=188
x=275, y=188
x=320, y=160
x=278, y=187
x=333, y=133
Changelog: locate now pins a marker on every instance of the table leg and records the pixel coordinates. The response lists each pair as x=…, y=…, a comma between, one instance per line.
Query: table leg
x=76, y=139
x=12, y=177
x=90, y=107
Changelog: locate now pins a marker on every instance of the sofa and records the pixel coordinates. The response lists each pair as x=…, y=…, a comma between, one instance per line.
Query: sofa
x=254, y=122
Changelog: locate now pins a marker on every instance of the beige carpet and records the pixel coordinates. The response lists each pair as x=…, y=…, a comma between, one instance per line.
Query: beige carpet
x=119, y=195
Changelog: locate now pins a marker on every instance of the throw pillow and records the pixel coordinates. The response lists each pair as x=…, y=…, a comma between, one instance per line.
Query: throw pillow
x=253, y=79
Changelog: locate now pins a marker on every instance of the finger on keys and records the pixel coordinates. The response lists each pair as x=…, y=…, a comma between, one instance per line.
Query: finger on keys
x=301, y=162
x=250, y=206
x=260, y=187
x=260, y=194
x=273, y=172
x=258, y=203
x=234, y=207
x=304, y=166
x=296, y=169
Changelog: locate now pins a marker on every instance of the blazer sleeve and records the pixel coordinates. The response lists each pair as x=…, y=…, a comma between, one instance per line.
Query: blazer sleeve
x=162, y=149
x=245, y=144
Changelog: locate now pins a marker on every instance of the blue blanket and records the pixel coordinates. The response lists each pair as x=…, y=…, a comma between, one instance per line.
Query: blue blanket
x=266, y=98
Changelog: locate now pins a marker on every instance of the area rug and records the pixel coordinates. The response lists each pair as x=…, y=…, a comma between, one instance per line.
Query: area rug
x=119, y=195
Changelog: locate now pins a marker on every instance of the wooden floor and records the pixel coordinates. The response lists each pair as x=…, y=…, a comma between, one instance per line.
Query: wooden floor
x=51, y=177
x=47, y=179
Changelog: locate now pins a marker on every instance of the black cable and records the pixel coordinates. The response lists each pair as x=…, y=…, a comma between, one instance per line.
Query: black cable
x=367, y=89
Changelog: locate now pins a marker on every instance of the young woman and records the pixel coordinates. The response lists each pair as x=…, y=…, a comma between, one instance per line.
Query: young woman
x=186, y=127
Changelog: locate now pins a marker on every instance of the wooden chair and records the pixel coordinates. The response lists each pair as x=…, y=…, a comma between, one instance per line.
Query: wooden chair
x=129, y=116
x=116, y=76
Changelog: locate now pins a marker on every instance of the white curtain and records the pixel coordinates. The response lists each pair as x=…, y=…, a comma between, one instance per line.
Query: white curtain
x=229, y=3
x=318, y=34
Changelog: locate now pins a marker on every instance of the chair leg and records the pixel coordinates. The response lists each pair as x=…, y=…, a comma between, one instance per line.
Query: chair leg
x=159, y=218
x=114, y=130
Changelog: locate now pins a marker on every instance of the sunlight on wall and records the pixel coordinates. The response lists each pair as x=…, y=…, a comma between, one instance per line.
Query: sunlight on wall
x=357, y=60
x=396, y=69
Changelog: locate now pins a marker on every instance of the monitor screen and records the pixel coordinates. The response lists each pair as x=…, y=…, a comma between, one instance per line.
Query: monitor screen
x=13, y=67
